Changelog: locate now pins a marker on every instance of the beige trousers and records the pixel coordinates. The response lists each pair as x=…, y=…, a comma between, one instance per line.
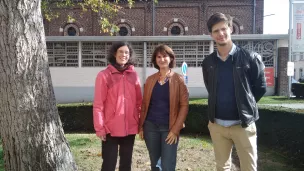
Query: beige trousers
x=245, y=141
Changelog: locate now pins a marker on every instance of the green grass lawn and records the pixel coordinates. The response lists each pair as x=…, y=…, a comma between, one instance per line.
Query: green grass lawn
x=280, y=100
x=264, y=100
x=194, y=153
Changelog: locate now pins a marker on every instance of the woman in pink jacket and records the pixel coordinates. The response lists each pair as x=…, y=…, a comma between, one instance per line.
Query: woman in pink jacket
x=116, y=107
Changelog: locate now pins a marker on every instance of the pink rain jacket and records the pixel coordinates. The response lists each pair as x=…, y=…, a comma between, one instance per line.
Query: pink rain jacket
x=117, y=102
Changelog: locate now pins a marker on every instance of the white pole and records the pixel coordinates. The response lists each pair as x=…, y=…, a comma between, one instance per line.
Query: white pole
x=211, y=46
x=79, y=54
x=289, y=44
x=144, y=76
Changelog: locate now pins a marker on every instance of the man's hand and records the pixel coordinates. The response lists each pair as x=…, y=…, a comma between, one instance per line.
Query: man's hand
x=171, y=138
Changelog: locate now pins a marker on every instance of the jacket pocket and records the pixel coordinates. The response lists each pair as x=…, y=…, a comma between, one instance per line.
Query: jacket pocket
x=109, y=115
x=210, y=70
x=136, y=115
x=211, y=73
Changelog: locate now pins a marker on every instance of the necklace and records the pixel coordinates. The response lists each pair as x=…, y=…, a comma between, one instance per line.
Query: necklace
x=162, y=82
x=166, y=78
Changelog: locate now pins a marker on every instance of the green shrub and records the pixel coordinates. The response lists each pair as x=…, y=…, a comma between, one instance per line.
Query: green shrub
x=1, y=156
x=76, y=118
x=282, y=128
x=197, y=120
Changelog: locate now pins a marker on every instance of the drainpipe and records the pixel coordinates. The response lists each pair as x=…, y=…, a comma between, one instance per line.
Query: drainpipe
x=153, y=18
x=254, y=17
x=290, y=44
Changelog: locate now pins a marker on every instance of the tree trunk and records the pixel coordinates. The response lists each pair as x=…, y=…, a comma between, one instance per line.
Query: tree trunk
x=31, y=130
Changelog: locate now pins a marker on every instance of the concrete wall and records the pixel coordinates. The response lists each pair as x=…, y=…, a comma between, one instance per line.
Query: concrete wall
x=77, y=84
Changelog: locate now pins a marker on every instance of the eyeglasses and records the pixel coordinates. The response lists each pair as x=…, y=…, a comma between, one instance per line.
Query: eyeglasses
x=123, y=52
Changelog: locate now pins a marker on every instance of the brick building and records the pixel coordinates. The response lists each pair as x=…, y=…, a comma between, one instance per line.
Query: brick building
x=166, y=18
x=75, y=61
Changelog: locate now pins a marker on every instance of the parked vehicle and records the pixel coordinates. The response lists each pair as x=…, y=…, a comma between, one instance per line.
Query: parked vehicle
x=301, y=80
x=298, y=89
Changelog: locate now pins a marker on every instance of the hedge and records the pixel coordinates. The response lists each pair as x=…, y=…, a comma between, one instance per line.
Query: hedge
x=76, y=118
x=278, y=127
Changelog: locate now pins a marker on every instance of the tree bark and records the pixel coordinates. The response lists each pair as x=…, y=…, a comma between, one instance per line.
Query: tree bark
x=31, y=130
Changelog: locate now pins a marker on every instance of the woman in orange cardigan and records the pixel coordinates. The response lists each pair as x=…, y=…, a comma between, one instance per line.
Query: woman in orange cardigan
x=164, y=110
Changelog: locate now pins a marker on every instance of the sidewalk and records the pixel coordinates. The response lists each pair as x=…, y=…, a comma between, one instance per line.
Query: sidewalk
x=292, y=106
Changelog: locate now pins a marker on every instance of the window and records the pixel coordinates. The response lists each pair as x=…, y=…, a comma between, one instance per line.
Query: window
x=175, y=31
x=295, y=57
x=301, y=73
x=235, y=28
x=123, y=31
x=71, y=31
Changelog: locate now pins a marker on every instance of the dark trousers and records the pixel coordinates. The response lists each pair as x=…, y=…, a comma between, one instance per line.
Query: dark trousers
x=155, y=136
x=110, y=151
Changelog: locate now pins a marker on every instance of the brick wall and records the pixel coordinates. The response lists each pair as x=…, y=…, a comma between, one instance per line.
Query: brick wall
x=192, y=15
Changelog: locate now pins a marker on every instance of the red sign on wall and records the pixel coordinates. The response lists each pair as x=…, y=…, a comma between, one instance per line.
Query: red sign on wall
x=299, y=29
x=269, y=74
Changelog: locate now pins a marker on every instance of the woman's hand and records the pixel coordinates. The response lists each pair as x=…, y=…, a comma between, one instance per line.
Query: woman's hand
x=102, y=137
x=171, y=138
x=141, y=134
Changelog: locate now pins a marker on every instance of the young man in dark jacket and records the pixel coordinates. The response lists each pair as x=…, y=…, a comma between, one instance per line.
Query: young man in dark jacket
x=235, y=82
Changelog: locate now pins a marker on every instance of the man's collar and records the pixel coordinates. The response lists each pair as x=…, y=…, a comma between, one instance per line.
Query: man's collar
x=231, y=52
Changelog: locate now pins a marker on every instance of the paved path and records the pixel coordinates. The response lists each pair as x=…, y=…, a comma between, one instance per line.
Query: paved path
x=292, y=105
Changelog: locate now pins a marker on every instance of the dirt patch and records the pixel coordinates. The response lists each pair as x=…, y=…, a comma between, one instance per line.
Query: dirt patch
x=190, y=156
x=195, y=153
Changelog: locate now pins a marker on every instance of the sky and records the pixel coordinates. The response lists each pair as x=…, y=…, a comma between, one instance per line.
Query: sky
x=276, y=16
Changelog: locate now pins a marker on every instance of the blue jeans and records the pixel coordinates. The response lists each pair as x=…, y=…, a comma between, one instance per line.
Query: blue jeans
x=155, y=136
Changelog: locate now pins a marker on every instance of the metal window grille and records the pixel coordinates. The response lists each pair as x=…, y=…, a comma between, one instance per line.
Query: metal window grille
x=138, y=53
x=265, y=48
x=193, y=53
x=61, y=54
x=95, y=54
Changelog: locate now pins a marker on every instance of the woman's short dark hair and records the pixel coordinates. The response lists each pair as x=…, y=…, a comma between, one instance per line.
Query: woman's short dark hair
x=113, y=50
x=218, y=17
x=165, y=50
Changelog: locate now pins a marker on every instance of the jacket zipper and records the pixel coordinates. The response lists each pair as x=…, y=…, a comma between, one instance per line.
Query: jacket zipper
x=214, y=84
x=123, y=79
x=236, y=94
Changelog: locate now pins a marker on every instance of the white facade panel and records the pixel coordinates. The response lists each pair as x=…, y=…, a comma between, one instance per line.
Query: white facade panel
x=77, y=84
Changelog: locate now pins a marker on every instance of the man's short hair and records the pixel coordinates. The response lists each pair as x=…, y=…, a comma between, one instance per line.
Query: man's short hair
x=218, y=17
